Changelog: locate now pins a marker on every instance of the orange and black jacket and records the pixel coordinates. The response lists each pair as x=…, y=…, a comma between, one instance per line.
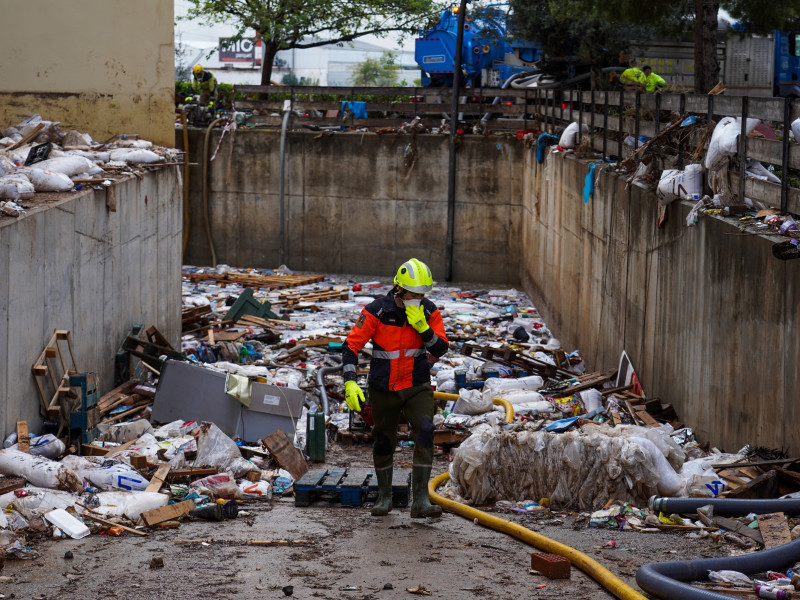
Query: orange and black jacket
x=399, y=353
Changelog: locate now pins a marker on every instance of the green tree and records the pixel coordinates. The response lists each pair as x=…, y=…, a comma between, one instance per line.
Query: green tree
x=380, y=72
x=672, y=18
x=286, y=24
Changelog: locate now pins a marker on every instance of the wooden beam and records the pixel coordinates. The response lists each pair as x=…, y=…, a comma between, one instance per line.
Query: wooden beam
x=167, y=513
x=159, y=478
x=94, y=517
x=23, y=438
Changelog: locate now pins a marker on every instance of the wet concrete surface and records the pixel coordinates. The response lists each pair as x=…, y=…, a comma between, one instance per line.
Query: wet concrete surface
x=346, y=554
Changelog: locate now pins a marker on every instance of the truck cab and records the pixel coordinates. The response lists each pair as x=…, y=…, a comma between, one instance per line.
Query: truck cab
x=787, y=64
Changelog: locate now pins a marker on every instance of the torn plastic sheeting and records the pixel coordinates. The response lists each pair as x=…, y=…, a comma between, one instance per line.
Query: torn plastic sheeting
x=575, y=470
x=216, y=449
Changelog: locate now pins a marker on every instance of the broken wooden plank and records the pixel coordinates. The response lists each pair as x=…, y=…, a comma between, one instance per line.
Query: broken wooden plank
x=763, y=486
x=23, y=437
x=285, y=454
x=192, y=472
x=774, y=529
x=94, y=517
x=158, y=478
x=737, y=527
x=138, y=461
x=167, y=513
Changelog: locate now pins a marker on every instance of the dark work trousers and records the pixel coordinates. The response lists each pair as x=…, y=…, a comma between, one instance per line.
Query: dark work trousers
x=417, y=406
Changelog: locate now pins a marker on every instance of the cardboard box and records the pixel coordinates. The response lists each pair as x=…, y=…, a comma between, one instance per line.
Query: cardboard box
x=272, y=407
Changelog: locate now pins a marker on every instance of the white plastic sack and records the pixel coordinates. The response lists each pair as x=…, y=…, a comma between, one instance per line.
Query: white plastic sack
x=471, y=402
x=698, y=478
x=569, y=138
x=120, y=476
x=133, y=155
x=40, y=471
x=11, y=208
x=48, y=446
x=725, y=139
x=517, y=397
x=127, y=431
x=48, y=181
x=216, y=449
x=495, y=386
x=675, y=184
x=16, y=187
x=260, y=490
x=129, y=504
x=38, y=501
x=669, y=481
x=69, y=165
x=759, y=171
x=796, y=130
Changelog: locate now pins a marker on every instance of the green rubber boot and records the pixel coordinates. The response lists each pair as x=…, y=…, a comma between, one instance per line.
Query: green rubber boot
x=383, y=504
x=421, y=506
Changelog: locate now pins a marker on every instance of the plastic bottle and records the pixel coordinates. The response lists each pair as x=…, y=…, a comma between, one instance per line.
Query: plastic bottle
x=763, y=591
x=10, y=440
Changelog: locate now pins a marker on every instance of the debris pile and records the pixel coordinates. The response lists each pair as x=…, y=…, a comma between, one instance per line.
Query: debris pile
x=36, y=156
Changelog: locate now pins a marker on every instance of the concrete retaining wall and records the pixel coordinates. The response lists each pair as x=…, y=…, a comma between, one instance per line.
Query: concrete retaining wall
x=72, y=264
x=352, y=206
x=707, y=316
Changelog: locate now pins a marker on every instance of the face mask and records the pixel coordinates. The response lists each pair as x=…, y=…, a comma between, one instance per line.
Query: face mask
x=412, y=302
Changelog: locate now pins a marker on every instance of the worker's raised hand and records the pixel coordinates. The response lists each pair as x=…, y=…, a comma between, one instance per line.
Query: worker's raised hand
x=416, y=318
x=353, y=396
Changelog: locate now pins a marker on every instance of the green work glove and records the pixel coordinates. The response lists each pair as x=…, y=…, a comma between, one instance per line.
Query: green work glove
x=353, y=395
x=416, y=318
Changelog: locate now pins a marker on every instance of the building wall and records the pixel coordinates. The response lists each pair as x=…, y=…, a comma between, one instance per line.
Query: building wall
x=352, y=206
x=102, y=67
x=75, y=265
x=708, y=317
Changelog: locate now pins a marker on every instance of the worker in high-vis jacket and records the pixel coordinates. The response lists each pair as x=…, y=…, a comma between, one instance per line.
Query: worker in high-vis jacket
x=407, y=334
x=633, y=78
x=205, y=84
x=652, y=81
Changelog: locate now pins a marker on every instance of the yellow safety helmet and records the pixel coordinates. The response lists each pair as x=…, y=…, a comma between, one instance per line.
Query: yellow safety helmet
x=414, y=276
x=197, y=69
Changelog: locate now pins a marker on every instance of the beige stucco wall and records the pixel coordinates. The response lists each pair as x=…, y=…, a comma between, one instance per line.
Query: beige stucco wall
x=99, y=66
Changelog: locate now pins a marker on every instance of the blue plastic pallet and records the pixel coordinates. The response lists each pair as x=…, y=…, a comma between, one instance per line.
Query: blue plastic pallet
x=350, y=487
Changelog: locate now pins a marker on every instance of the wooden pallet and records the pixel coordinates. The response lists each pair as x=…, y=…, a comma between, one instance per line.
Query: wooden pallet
x=291, y=298
x=270, y=282
x=513, y=358
x=349, y=487
x=52, y=376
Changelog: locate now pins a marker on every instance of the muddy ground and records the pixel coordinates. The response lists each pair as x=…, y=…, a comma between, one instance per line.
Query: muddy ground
x=349, y=555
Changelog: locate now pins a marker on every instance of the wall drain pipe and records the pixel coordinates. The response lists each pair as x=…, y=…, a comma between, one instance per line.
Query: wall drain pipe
x=586, y=564
x=498, y=401
x=665, y=580
x=205, y=192
x=725, y=507
x=323, y=394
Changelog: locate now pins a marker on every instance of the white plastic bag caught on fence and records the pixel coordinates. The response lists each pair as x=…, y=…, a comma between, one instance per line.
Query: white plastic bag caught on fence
x=569, y=138
x=796, y=130
x=725, y=139
x=675, y=184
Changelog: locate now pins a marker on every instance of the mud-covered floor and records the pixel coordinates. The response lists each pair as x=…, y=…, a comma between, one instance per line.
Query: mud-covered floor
x=352, y=555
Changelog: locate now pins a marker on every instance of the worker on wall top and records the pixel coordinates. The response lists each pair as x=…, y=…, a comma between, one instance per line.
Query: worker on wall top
x=204, y=83
x=652, y=81
x=407, y=334
x=633, y=78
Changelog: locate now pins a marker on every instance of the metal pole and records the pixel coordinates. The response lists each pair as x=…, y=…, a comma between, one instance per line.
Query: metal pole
x=605, y=126
x=658, y=113
x=580, y=114
x=636, y=121
x=743, y=149
x=451, y=178
x=787, y=116
x=620, y=132
x=681, y=110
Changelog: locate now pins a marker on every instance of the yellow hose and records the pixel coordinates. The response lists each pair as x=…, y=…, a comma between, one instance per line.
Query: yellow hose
x=499, y=401
x=586, y=564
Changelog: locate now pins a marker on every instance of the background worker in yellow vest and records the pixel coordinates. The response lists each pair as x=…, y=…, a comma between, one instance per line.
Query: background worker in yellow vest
x=633, y=78
x=652, y=81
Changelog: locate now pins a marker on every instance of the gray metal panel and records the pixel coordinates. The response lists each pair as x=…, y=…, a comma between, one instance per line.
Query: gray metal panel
x=192, y=393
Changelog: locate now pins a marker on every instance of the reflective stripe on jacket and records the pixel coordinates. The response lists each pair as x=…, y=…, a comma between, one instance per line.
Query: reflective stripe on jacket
x=399, y=353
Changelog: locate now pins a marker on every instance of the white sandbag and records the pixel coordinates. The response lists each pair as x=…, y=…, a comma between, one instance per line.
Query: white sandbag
x=260, y=490
x=48, y=181
x=125, y=432
x=40, y=471
x=131, y=143
x=540, y=406
x=471, y=402
x=796, y=130
x=669, y=481
x=7, y=166
x=496, y=386
x=129, y=504
x=675, y=184
x=699, y=478
x=569, y=138
x=725, y=139
x=119, y=476
x=516, y=397
x=16, y=187
x=133, y=155
x=47, y=445
x=76, y=138
x=69, y=165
